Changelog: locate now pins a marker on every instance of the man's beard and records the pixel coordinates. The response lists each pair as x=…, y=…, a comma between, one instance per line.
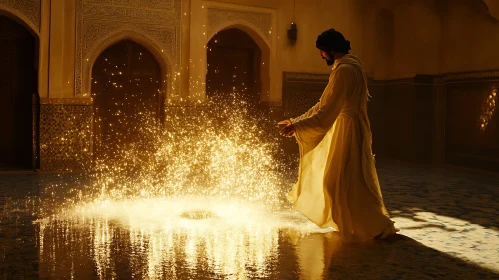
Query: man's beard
x=329, y=62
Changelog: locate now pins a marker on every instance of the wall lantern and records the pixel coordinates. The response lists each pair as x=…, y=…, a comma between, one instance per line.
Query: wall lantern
x=293, y=33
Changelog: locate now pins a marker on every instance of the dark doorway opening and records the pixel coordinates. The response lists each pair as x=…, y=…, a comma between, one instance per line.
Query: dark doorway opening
x=19, y=102
x=127, y=90
x=233, y=59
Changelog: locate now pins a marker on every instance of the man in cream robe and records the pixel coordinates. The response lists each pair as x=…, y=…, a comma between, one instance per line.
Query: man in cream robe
x=338, y=186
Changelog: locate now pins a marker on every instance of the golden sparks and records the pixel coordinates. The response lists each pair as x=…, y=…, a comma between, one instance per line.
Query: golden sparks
x=488, y=109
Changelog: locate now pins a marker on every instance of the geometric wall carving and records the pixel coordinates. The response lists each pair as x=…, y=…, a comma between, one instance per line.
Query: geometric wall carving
x=30, y=9
x=152, y=23
x=301, y=91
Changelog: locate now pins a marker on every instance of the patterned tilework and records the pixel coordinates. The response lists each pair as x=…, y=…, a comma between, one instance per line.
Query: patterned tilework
x=65, y=136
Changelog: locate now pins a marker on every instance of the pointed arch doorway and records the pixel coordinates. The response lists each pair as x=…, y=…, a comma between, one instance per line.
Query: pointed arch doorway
x=19, y=102
x=127, y=90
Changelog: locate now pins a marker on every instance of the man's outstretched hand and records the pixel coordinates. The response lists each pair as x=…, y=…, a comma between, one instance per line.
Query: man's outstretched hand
x=289, y=128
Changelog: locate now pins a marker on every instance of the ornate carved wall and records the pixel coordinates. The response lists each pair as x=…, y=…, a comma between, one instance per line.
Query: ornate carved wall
x=155, y=24
x=26, y=10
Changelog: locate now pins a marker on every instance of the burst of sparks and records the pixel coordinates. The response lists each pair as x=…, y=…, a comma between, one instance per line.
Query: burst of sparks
x=210, y=174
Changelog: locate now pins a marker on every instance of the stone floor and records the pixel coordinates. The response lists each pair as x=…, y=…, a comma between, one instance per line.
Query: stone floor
x=449, y=221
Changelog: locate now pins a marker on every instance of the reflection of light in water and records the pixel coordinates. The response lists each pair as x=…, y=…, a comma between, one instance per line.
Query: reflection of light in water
x=453, y=236
x=237, y=241
x=240, y=235
x=102, y=240
x=488, y=109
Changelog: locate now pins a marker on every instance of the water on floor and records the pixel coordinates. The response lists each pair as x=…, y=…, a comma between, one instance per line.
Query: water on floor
x=448, y=220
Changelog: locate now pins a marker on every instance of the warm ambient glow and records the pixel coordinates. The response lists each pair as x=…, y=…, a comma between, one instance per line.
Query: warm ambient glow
x=488, y=109
x=206, y=185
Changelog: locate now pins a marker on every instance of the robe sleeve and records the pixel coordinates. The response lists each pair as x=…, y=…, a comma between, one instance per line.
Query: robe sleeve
x=311, y=129
x=307, y=114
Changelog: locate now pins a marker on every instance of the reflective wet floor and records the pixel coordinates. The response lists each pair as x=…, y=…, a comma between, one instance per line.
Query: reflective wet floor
x=449, y=221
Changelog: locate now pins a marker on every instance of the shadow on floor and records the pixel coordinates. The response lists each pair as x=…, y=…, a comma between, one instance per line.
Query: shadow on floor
x=397, y=258
x=466, y=195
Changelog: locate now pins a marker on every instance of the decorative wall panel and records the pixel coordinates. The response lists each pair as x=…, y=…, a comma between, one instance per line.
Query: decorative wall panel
x=30, y=9
x=153, y=23
x=301, y=91
x=65, y=134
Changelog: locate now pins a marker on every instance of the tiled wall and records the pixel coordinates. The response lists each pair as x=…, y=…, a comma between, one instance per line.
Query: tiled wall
x=65, y=134
x=301, y=91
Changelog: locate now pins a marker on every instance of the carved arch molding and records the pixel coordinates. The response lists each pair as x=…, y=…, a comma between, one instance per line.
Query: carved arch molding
x=260, y=24
x=221, y=16
x=30, y=10
x=102, y=22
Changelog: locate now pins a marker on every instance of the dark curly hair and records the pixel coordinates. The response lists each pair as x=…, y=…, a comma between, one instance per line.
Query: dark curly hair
x=332, y=40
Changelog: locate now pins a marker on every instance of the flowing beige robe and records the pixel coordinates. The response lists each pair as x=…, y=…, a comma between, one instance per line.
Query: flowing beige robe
x=337, y=185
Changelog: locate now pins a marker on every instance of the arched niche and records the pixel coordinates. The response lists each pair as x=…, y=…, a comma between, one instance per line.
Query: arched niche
x=127, y=96
x=266, y=60
x=20, y=18
x=169, y=79
x=237, y=61
x=19, y=100
x=211, y=17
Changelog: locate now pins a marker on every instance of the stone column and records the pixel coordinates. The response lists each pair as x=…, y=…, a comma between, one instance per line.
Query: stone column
x=185, y=47
x=197, y=51
x=43, y=64
x=65, y=121
x=62, y=48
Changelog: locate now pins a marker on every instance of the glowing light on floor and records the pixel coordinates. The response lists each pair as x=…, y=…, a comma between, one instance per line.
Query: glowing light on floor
x=237, y=239
x=456, y=237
